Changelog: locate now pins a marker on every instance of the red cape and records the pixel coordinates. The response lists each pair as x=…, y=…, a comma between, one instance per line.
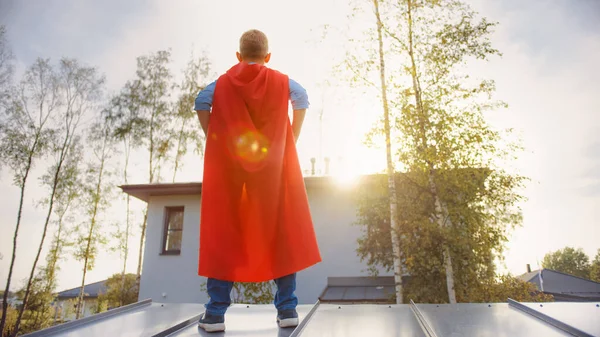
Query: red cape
x=255, y=222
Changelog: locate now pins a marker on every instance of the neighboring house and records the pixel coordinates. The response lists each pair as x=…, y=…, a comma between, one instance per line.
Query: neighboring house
x=11, y=299
x=170, y=263
x=66, y=300
x=564, y=287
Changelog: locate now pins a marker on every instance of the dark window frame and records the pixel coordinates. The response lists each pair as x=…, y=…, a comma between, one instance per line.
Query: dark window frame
x=168, y=212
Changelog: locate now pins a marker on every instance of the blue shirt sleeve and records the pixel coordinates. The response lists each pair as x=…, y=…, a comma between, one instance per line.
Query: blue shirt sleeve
x=205, y=98
x=298, y=97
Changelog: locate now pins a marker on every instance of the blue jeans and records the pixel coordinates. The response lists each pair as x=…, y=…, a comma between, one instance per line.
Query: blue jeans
x=220, y=291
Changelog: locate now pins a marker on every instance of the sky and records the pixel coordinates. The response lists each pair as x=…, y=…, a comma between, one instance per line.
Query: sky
x=548, y=75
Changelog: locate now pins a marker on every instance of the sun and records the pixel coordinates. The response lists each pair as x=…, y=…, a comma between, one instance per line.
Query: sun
x=360, y=162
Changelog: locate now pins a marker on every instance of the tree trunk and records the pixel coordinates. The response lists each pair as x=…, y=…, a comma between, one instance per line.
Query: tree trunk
x=439, y=210
x=97, y=198
x=126, y=241
x=81, y=291
x=151, y=180
x=16, y=234
x=139, y=268
x=12, y=261
x=177, y=156
x=37, y=257
x=393, y=200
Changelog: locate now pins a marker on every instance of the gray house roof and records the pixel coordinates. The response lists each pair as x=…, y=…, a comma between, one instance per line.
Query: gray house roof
x=91, y=290
x=362, y=289
x=465, y=319
x=563, y=287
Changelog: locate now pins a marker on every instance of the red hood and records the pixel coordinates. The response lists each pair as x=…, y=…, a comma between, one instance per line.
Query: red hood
x=243, y=74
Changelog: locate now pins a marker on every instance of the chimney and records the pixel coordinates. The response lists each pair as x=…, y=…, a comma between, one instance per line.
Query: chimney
x=326, y=166
x=312, y=162
x=528, y=268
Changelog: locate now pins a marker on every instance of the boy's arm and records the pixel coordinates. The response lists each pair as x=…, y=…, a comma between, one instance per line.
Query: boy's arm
x=297, y=122
x=203, y=104
x=300, y=103
x=203, y=117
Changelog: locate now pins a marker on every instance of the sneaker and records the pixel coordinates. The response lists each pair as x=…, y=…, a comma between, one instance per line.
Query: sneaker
x=212, y=323
x=287, y=318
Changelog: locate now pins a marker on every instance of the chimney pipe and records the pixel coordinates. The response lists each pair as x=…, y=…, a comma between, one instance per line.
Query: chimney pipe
x=528, y=268
x=326, y=166
x=312, y=162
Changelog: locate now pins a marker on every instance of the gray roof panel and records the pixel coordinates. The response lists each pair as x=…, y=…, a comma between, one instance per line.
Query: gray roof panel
x=360, y=281
x=583, y=316
x=145, y=320
x=483, y=320
x=362, y=320
x=247, y=321
x=89, y=290
x=149, y=319
x=357, y=294
x=333, y=293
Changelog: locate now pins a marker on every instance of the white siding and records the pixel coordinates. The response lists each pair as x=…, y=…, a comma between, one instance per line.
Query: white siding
x=176, y=276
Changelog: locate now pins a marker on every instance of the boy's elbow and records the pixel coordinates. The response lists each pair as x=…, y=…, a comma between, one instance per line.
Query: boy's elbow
x=200, y=105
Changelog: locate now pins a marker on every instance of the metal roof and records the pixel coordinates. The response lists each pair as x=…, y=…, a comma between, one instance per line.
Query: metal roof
x=89, y=290
x=563, y=287
x=431, y=320
x=362, y=289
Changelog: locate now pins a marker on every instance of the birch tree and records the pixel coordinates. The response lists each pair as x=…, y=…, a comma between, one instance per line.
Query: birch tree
x=458, y=201
x=185, y=130
x=67, y=191
x=78, y=89
x=366, y=65
x=147, y=118
x=393, y=199
x=6, y=64
x=25, y=133
x=95, y=200
x=122, y=114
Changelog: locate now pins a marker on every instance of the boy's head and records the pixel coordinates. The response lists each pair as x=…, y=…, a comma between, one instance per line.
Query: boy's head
x=254, y=47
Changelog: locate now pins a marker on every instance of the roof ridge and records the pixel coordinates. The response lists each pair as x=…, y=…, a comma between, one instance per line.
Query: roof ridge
x=79, y=287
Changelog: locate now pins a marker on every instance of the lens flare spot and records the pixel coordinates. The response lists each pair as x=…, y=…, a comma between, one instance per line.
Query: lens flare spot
x=251, y=146
x=213, y=136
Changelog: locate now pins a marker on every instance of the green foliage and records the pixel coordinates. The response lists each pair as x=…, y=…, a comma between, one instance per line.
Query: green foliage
x=11, y=319
x=569, y=261
x=25, y=130
x=142, y=110
x=121, y=290
x=595, y=268
x=507, y=286
x=6, y=65
x=146, y=115
x=96, y=197
x=39, y=313
x=185, y=129
x=99, y=306
x=250, y=292
x=42, y=118
x=456, y=201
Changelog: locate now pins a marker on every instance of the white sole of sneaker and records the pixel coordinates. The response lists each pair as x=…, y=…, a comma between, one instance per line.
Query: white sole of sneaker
x=288, y=322
x=219, y=327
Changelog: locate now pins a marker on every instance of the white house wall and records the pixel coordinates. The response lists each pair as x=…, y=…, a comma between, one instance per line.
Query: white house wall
x=175, y=276
x=174, y=279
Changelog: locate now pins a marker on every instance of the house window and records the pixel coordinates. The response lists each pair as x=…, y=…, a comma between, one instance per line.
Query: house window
x=173, y=229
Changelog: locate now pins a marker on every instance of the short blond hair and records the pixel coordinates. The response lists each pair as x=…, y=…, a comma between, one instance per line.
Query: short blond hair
x=254, y=45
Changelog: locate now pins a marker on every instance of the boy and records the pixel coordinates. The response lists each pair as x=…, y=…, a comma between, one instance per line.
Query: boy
x=255, y=220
